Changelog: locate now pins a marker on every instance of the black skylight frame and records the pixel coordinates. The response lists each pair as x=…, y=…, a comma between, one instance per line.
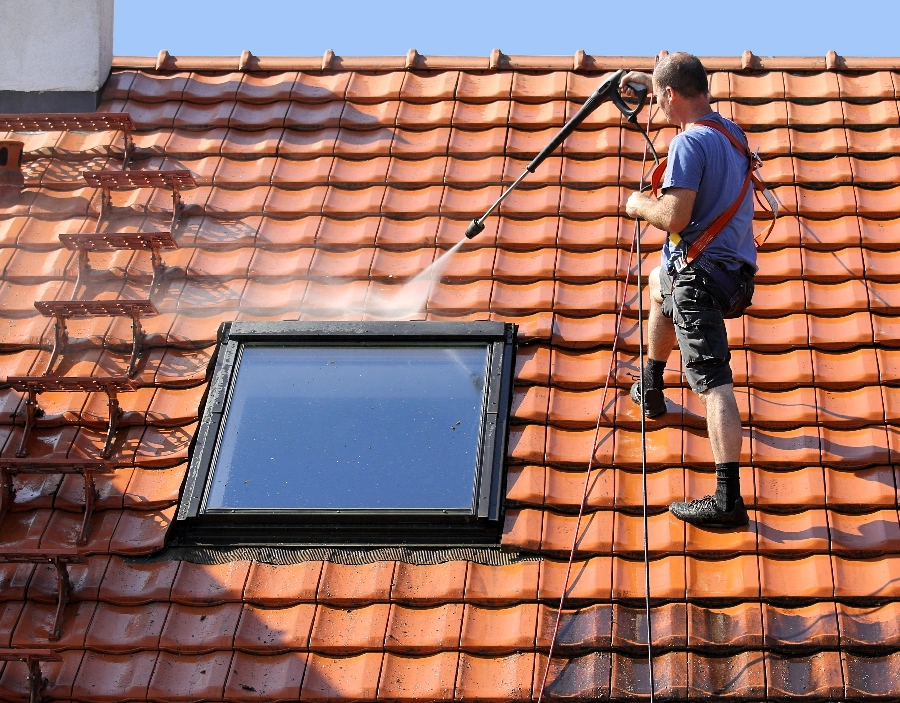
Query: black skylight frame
x=482, y=525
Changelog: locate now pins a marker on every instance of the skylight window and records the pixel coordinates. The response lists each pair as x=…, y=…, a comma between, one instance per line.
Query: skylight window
x=317, y=433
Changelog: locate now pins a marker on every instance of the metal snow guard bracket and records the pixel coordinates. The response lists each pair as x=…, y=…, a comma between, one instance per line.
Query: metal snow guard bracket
x=32, y=386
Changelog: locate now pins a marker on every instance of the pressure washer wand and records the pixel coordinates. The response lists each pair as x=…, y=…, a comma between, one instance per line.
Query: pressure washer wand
x=608, y=89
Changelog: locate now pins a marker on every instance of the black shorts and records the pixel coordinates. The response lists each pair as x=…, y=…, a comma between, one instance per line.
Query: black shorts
x=696, y=306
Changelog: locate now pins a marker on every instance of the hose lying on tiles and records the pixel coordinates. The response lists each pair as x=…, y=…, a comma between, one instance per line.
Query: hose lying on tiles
x=635, y=249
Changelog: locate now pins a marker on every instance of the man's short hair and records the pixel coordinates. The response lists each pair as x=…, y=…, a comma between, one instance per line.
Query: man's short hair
x=683, y=73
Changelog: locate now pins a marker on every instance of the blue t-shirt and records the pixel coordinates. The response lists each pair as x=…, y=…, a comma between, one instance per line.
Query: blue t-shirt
x=706, y=162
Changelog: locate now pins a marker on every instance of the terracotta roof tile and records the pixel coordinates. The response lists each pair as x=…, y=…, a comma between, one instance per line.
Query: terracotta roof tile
x=495, y=679
x=863, y=675
x=191, y=630
x=434, y=114
x=734, y=626
x=276, y=677
x=185, y=677
x=501, y=585
x=815, y=114
x=374, y=87
x=208, y=88
x=868, y=626
x=299, y=145
x=827, y=141
x=157, y=88
x=119, y=629
x=310, y=87
x=882, y=141
x=763, y=115
x=428, y=86
x=37, y=621
x=873, y=577
x=882, y=113
x=327, y=678
x=803, y=85
x=14, y=581
x=109, y=677
x=711, y=675
x=735, y=577
x=266, y=88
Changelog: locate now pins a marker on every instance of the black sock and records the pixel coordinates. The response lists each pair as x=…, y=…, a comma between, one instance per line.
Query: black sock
x=653, y=374
x=728, y=485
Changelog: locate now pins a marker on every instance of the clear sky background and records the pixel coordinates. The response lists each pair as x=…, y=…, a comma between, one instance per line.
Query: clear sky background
x=475, y=27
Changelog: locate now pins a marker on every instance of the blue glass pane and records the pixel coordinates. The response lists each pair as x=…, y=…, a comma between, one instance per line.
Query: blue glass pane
x=352, y=427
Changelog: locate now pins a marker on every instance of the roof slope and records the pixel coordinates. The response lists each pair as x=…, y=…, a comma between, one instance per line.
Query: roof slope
x=360, y=178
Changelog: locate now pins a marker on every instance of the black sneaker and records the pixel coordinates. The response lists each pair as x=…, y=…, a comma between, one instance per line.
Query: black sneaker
x=654, y=400
x=707, y=513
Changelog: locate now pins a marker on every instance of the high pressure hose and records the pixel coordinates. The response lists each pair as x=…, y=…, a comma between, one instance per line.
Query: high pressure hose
x=637, y=242
x=635, y=248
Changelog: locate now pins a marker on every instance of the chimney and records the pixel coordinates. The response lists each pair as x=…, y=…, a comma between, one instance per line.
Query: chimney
x=55, y=55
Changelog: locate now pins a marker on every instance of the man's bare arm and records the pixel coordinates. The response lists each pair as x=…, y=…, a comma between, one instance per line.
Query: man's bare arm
x=671, y=213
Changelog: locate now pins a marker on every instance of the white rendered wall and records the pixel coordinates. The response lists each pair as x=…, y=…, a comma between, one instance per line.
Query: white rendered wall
x=55, y=45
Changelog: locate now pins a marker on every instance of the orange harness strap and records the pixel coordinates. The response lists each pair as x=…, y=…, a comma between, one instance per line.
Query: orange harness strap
x=713, y=230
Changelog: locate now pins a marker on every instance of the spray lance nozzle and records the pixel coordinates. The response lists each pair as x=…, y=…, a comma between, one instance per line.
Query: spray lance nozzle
x=475, y=227
x=608, y=89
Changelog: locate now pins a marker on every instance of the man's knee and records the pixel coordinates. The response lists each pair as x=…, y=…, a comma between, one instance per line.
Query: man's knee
x=655, y=286
x=718, y=394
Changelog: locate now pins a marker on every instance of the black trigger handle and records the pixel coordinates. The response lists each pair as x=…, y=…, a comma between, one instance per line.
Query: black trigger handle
x=629, y=112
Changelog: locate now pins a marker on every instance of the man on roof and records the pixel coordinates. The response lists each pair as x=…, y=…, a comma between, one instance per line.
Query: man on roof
x=696, y=287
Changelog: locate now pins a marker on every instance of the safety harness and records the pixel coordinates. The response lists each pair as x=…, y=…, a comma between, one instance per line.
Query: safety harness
x=735, y=293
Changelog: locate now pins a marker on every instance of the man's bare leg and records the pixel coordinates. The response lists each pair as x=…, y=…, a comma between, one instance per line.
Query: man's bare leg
x=661, y=330
x=726, y=507
x=723, y=420
x=661, y=342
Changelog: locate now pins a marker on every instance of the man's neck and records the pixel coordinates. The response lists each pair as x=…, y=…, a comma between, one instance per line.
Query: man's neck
x=693, y=113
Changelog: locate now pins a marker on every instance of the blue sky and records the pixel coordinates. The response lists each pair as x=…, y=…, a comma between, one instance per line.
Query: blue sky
x=474, y=28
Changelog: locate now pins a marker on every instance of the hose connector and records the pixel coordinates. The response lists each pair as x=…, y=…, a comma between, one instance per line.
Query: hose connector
x=474, y=229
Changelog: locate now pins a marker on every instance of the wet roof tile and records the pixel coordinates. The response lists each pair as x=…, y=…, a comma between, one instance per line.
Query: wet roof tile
x=109, y=677
x=192, y=630
x=275, y=677
x=186, y=677
x=867, y=626
x=118, y=629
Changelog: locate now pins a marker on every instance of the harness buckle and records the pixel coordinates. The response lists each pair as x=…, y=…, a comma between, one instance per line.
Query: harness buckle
x=755, y=160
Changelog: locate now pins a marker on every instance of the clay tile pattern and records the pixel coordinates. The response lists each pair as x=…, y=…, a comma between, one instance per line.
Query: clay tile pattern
x=358, y=179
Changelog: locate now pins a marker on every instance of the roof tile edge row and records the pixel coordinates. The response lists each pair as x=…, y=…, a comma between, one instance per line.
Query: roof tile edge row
x=498, y=61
